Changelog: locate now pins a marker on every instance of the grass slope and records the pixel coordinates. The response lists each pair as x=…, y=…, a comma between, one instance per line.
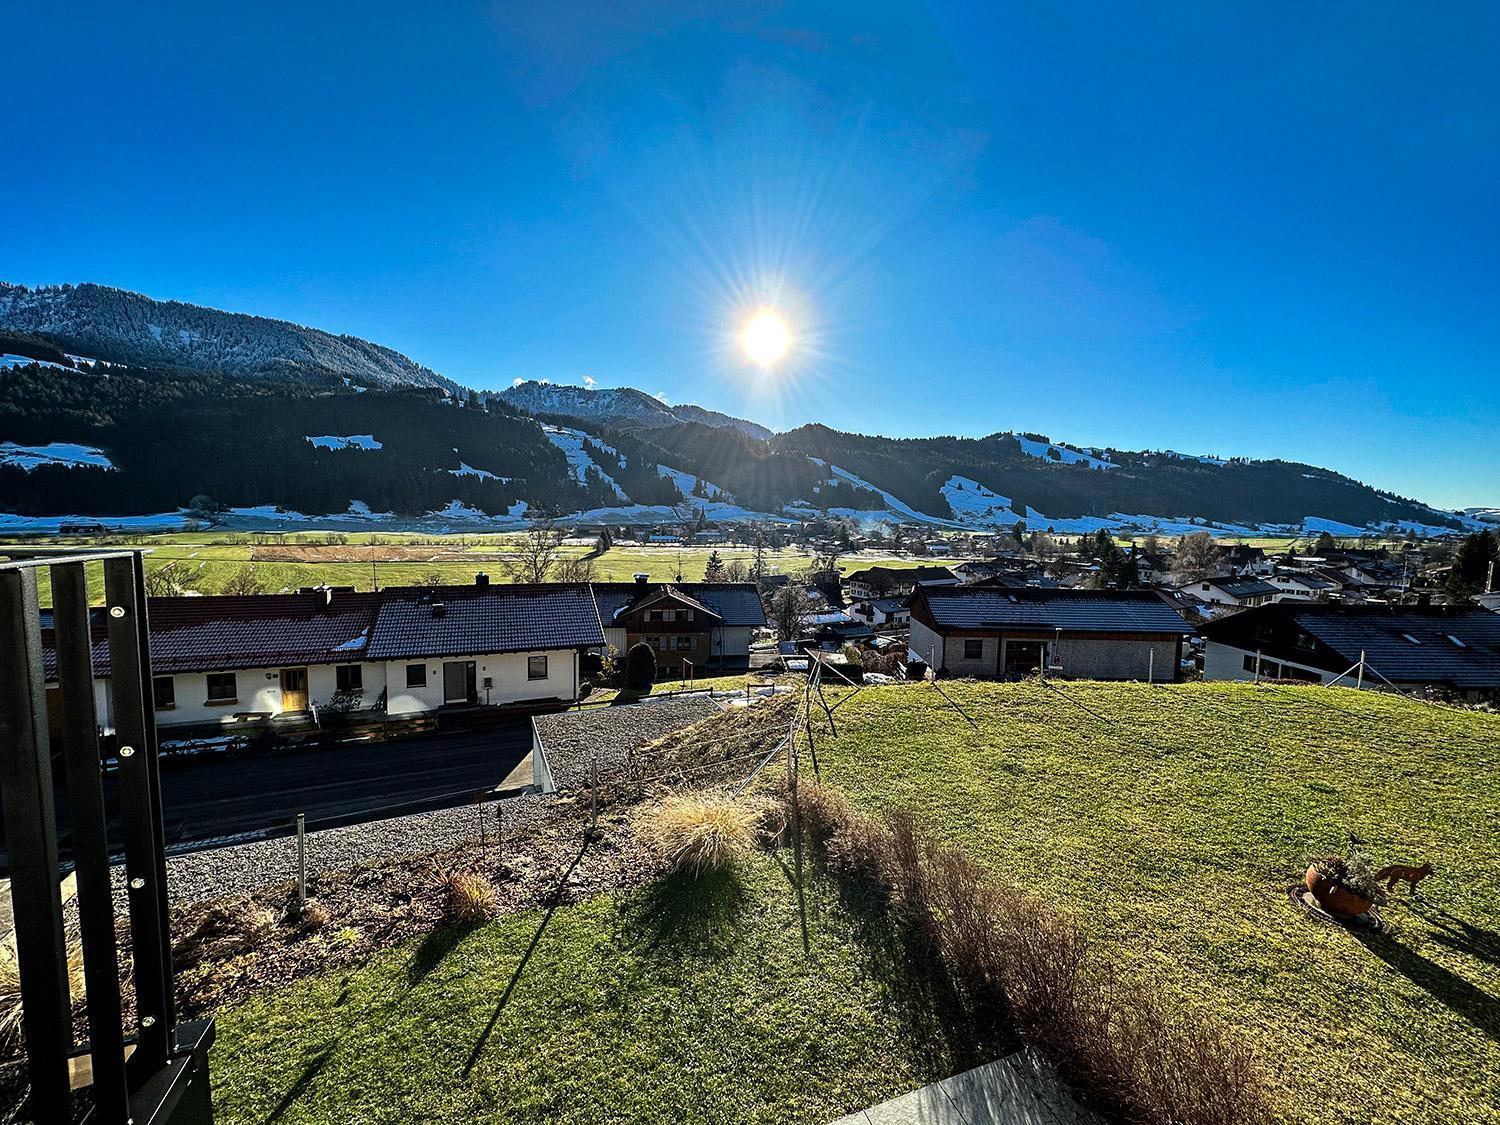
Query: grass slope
x=681, y=1002
x=1175, y=829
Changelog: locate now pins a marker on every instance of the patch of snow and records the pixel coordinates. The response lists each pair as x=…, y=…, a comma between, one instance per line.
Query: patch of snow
x=354, y=644
x=1202, y=459
x=1315, y=525
x=467, y=470
x=973, y=503
x=65, y=453
x=9, y=360
x=269, y=512
x=686, y=482
x=1064, y=455
x=579, y=461
x=894, y=507
x=349, y=441
x=353, y=386
x=457, y=509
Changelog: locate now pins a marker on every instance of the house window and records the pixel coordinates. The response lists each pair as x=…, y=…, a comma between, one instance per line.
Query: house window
x=1205, y=585
x=973, y=649
x=416, y=675
x=659, y=643
x=653, y=615
x=222, y=687
x=349, y=677
x=163, y=692
x=684, y=642
x=684, y=615
x=536, y=667
x=1305, y=641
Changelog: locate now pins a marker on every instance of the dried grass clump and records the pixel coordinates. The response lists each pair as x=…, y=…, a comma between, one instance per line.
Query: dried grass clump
x=311, y=915
x=226, y=928
x=1016, y=966
x=10, y=993
x=470, y=896
x=700, y=833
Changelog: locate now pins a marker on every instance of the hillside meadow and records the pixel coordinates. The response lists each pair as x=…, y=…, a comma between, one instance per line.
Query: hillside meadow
x=1171, y=820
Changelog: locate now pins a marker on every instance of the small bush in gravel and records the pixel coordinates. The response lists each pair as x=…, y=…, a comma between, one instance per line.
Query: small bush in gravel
x=700, y=833
x=310, y=915
x=471, y=897
x=640, y=667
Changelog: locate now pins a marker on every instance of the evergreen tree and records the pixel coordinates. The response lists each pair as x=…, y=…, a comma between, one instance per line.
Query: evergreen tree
x=714, y=572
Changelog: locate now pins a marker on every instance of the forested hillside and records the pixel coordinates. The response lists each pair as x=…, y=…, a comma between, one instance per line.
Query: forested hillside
x=112, y=324
x=173, y=435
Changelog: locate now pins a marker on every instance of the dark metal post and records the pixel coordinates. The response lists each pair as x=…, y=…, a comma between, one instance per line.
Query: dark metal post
x=96, y=914
x=31, y=836
x=145, y=865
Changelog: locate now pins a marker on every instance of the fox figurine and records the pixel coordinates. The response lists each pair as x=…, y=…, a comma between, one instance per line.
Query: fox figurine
x=1397, y=872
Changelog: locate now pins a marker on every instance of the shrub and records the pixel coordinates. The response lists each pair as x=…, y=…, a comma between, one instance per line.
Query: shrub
x=471, y=897
x=311, y=915
x=699, y=833
x=640, y=667
x=226, y=928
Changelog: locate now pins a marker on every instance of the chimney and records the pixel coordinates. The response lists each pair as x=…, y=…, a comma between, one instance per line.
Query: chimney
x=641, y=580
x=325, y=597
x=439, y=609
x=481, y=579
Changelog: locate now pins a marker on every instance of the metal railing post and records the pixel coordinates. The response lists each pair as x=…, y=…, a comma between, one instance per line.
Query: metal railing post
x=31, y=837
x=96, y=912
x=145, y=863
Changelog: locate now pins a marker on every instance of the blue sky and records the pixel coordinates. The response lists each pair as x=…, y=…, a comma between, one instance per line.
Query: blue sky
x=1269, y=230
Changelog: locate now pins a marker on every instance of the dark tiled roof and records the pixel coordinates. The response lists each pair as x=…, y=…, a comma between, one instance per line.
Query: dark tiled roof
x=1409, y=644
x=737, y=603
x=480, y=619
x=202, y=634
x=1237, y=587
x=1085, y=611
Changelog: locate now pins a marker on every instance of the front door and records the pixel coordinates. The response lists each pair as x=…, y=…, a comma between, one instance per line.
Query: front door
x=1023, y=658
x=294, y=689
x=458, y=682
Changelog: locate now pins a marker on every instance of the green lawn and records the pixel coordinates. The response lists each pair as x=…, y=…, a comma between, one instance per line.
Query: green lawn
x=209, y=563
x=1174, y=830
x=680, y=1003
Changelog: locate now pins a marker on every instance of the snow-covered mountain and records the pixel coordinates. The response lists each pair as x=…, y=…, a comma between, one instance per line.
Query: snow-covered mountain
x=123, y=327
x=619, y=404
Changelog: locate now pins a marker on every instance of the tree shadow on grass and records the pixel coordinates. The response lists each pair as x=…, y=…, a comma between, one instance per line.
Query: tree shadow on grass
x=309, y=1072
x=1464, y=999
x=940, y=1029
x=434, y=947
x=687, y=911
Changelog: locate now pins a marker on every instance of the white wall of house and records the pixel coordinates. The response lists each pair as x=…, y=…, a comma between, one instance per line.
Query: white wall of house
x=925, y=645
x=1225, y=662
x=507, y=673
x=258, y=689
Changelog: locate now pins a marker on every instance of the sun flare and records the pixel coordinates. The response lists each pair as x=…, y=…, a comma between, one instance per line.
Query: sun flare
x=766, y=337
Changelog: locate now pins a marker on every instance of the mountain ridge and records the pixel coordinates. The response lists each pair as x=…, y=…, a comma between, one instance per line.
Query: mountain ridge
x=342, y=422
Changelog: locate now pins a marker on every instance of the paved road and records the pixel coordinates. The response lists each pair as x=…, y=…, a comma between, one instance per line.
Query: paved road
x=337, y=785
x=261, y=794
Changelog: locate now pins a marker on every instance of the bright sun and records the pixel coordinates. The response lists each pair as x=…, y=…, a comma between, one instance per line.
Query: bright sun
x=766, y=337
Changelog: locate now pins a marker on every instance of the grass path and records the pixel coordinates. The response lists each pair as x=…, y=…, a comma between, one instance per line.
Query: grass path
x=1174, y=829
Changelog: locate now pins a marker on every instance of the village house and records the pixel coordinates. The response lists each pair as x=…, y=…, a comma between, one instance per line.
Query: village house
x=1301, y=585
x=692, y=626
x=1456, y=648
x=1241, y=558
x=992, y=632
x=220, y=660
x=1231, y=590
x=1154, y=567
x=894, y=581
x=882, y=613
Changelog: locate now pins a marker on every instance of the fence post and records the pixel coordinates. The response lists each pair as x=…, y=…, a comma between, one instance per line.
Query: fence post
x=1151, y=666
x=301, y=858
x=1359, y=681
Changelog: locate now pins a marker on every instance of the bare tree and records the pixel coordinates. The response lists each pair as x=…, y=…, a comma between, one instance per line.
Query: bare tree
x=244, y=581
x=535, y=554
x=1197, y=557
x=789, y=611
x=166, y=581
x=734, y=571
x=574, y=570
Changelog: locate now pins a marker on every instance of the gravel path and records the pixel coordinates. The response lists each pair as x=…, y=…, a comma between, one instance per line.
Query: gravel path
x=572, y=740
x=198, y=876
